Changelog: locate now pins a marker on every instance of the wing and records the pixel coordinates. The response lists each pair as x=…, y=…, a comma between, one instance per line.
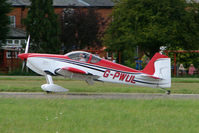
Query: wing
x=77, y=74
x=74, y=70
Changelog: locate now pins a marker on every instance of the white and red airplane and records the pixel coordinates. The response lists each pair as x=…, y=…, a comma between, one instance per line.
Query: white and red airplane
x=86, y=66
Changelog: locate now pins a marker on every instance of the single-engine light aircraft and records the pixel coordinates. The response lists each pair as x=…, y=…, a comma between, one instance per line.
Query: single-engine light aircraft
x=89, y=67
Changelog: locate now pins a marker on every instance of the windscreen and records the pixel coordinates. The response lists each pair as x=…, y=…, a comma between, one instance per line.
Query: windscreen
x=79, y=56
x=95, y=59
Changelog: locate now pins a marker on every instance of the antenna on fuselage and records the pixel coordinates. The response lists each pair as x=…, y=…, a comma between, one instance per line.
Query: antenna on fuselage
x=162, y=49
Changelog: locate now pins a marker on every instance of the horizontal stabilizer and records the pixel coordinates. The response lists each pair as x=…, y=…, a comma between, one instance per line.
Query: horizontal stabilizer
x=150, y=76
x=53, y=88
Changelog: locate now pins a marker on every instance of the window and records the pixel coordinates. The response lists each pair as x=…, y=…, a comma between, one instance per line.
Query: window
x=16, y=41
x=95, y=59
x=23, y=41
x=68, y=11
x=12, y=21
x=74, y=56
x=80, y=56
x=10, y=54
x=9, y=41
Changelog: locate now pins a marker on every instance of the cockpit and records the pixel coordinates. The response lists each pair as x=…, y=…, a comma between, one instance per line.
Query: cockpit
x=83, y=56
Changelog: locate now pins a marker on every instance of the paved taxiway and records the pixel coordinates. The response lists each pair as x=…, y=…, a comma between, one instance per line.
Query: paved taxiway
x=97, y=95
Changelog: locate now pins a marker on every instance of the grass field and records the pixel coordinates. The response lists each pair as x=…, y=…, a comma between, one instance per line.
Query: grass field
x=98, y=116
x=57, y=115
x=33, y=83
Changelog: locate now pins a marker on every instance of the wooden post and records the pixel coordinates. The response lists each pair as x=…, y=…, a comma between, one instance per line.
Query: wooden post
x=120, y=57
x=175, y=73
x=166, y=53
x=11, y=63
x=16, y=59
x=4, y=58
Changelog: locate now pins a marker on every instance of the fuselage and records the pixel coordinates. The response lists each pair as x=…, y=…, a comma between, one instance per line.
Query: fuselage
x=106, y=70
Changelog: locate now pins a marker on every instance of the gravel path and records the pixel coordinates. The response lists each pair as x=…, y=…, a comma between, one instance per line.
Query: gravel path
x=39, y=95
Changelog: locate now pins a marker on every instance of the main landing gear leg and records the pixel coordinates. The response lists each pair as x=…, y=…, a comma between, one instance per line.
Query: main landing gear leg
x=51, y=87
x=49, y=80
x=168, y=92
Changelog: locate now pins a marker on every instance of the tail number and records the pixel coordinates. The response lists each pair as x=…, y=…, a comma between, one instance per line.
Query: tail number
x=119, y=76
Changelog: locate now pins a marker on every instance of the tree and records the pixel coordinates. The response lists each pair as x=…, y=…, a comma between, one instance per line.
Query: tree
x=42, y=25
x=81, y=28
x=5, y=8
x=150, y=24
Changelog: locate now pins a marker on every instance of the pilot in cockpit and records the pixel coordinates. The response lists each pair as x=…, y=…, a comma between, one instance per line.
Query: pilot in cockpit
x=82, y=57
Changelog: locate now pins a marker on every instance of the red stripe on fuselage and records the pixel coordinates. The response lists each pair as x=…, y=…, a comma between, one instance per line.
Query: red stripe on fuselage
x=103, y=63
x=112, y=65
x=48, y=55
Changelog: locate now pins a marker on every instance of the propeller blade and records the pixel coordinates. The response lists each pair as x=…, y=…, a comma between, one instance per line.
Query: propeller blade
x=27, y=44
x=23, y=65
x=26, y=51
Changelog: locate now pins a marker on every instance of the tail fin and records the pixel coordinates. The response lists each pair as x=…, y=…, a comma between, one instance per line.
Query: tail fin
x=160, y=66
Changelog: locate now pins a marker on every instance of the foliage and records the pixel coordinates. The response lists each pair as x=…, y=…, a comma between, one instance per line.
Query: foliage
x=150, y=24
x=128, y=58
x=186, y=59
x=43, y=27
x=80, y=28
x=5, y=8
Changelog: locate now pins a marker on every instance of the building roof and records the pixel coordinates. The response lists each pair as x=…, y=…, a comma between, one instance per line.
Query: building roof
x=100, y=2
x=193, y=1
x=69, y=3
x=84, y=3
x=19, y=2
x=16, y=33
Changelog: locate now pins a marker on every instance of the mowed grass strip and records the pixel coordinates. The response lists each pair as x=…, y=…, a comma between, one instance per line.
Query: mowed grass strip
x=98, y=116
x=33, y=84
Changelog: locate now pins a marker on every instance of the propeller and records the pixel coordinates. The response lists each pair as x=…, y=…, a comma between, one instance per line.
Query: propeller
x=26, y=51
x=27, y=44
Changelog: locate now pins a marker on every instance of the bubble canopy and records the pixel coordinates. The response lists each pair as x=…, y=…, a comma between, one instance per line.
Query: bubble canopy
x=83, y=56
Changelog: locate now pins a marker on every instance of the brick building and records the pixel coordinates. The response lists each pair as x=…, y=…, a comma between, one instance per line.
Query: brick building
x=17, y=35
